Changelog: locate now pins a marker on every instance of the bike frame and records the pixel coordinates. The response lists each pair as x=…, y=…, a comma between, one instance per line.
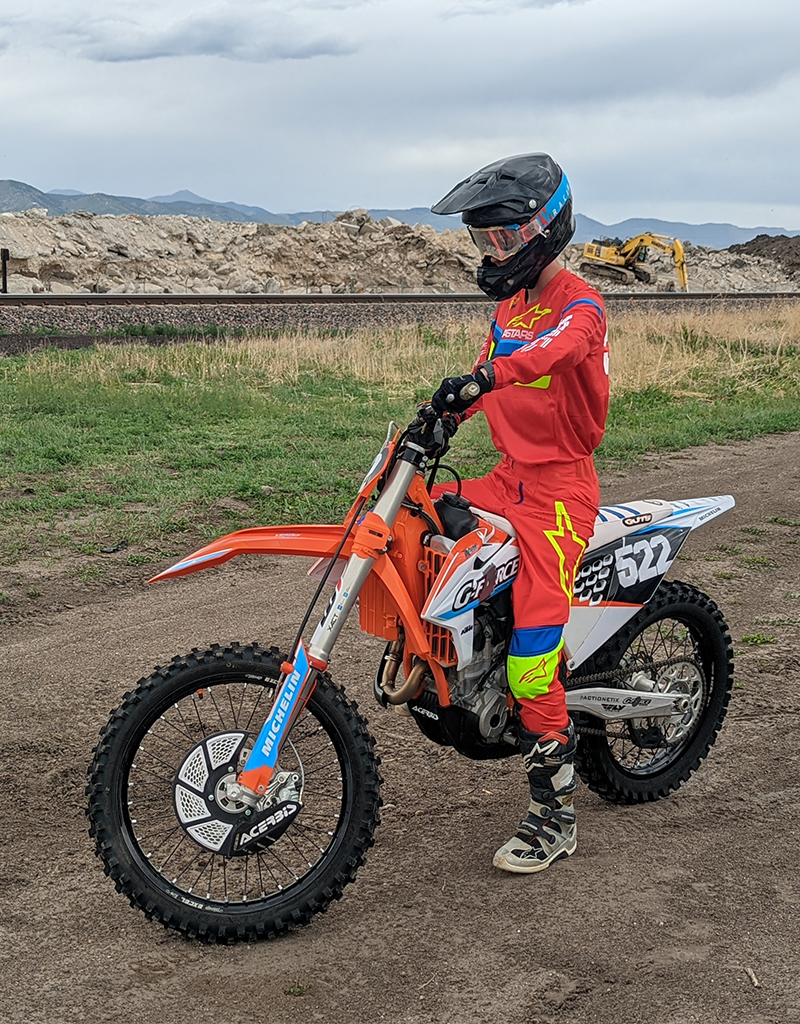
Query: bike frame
x=380, y=546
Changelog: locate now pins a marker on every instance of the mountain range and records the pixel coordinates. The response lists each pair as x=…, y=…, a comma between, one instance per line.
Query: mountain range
x=16, y=196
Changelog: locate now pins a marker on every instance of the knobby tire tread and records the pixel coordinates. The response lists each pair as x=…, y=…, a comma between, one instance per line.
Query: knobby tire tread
x=595, y=763
x=105, y=819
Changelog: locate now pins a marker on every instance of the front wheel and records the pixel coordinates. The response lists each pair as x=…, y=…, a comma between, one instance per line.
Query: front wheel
x=172, y=727
x=637, y=760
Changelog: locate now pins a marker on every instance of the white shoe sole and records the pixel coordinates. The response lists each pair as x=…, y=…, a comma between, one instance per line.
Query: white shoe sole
x=521, y=867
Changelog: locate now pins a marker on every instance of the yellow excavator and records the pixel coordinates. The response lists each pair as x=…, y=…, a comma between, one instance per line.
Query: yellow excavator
x=625, y=262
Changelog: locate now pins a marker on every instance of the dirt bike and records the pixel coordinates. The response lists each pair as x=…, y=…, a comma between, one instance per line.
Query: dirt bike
x=234, y=792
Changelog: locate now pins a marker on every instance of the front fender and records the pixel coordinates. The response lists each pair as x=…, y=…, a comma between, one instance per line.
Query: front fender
x=314, y=541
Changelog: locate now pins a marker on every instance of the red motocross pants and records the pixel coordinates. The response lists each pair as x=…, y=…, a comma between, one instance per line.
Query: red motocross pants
x=552, y=509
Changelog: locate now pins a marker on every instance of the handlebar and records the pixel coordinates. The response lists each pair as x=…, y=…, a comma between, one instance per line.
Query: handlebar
x=426, y=413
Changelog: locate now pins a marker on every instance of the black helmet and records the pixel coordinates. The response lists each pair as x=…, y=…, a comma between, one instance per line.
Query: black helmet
x=519, y=210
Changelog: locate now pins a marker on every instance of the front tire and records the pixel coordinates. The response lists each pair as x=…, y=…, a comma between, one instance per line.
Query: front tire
x=267, y=890
x=634, y=761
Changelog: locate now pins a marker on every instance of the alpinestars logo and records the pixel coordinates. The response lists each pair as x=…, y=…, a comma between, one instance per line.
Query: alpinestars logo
x=527, y=319
x=539, y=673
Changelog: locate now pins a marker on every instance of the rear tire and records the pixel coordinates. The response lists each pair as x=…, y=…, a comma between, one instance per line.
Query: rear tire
x=634, y=762
x=267, y=890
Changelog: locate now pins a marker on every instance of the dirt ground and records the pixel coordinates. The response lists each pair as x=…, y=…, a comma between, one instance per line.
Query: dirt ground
x=682, y=911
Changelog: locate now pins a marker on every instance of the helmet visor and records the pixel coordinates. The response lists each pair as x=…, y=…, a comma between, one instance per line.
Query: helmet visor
x=501, y=243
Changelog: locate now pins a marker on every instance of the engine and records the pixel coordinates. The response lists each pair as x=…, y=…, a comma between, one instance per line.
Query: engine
x=481, y=687
x=477, y=721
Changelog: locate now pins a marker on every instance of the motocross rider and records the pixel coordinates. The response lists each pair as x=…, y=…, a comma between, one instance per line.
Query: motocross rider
x=541, y=379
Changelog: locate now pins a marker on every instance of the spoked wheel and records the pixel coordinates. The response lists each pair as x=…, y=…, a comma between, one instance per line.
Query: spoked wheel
x=680, y=640
x=161, y=806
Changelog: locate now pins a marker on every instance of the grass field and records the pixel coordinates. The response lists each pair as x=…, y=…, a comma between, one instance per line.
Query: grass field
x=140, y=444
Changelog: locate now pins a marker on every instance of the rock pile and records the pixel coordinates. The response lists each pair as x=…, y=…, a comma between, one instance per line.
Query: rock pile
x=783, y=249
x=85, y=252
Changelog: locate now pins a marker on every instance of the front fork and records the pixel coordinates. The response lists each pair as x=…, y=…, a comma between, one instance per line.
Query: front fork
x=371, y=539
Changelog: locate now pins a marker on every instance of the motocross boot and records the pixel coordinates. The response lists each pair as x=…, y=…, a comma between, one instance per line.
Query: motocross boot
x=548, y=831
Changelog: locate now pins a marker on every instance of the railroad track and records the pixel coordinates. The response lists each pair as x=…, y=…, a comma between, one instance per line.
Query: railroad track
x=76, y=320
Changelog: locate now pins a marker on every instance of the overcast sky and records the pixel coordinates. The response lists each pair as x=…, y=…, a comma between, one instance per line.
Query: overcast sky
x=681, y=109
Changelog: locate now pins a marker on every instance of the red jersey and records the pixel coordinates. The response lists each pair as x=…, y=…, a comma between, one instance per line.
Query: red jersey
x=550, y=358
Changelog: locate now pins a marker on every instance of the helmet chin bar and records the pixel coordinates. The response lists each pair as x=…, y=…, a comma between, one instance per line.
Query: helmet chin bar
x=502, y=280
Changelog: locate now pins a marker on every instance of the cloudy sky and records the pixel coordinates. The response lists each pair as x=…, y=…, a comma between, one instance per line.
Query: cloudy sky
x=681, y=109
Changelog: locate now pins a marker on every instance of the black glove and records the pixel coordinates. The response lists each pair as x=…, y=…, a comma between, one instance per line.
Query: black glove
x=434, y=431
x=457, y=394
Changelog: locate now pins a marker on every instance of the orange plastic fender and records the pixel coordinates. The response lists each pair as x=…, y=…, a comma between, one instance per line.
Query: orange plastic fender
x=315, y=541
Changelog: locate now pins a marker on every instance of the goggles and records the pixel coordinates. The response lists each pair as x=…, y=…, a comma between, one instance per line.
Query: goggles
x=501, y=243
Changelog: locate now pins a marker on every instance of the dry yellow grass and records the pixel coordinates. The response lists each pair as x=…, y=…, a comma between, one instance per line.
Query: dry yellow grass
x=686, y=354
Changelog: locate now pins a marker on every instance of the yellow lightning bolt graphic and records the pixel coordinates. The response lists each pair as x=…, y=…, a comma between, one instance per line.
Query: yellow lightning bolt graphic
x=564, y=527
x=529, y=317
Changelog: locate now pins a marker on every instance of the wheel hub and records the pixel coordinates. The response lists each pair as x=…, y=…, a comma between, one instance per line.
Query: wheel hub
x=682, y=678
x=227, y=793
x=685, y=678
x=212, y=807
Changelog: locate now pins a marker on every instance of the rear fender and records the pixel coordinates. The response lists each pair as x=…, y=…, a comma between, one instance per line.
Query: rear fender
x=614, y=581
x=314, y=541
x=693, y=512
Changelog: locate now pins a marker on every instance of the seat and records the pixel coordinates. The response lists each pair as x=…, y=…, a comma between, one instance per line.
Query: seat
x=613, y=521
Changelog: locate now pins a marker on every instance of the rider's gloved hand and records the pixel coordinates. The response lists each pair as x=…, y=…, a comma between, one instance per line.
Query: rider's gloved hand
x=457, y=394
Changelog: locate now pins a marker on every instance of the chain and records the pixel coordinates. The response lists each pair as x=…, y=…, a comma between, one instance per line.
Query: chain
x=619, y=674
x=587, y=730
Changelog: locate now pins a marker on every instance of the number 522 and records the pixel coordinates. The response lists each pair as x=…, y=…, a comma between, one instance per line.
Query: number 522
x=642, y=560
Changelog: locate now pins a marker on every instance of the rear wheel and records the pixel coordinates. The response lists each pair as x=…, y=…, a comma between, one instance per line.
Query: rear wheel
x=643, y=759
x=184, y=718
